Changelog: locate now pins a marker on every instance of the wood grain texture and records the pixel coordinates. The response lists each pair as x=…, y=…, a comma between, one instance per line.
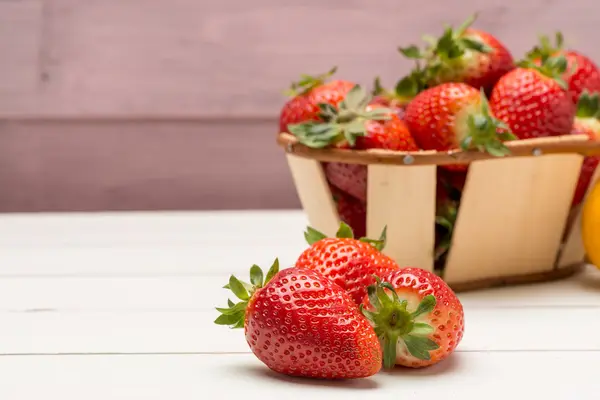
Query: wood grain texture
x=403, y=199
x=511, y=217
x=78, y=166
x=233, y=58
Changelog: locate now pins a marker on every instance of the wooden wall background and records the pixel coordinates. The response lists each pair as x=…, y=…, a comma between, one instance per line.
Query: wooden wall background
x=79, y=80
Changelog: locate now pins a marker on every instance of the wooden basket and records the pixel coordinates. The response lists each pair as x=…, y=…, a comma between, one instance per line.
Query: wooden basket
x=513, y=222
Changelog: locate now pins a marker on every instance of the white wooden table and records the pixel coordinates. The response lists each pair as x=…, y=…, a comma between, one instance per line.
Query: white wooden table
x=120, y=306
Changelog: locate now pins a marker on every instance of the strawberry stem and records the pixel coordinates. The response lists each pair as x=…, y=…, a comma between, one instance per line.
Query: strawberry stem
x=342, y=124
x=394, y=324
x=308, y=83
x=482, y=131
x=345, y=231
x=234, y=314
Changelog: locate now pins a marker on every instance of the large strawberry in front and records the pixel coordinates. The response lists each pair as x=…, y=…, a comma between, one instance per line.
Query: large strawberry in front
x=587, y=122
x=417, y=317
x=307, y=94
x=581, y=74
x=299, y=323
x=348, y=262
x=533, y=100
x=455, y=116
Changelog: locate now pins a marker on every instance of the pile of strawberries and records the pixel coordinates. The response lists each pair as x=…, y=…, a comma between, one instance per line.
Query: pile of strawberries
x=466, y=92
x=344, y=310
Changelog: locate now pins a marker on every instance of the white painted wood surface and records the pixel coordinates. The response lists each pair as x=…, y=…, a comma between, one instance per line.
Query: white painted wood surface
x=120, y=306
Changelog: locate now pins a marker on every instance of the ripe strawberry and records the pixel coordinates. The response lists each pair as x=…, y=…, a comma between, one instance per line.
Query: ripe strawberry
x=299, y=323
x=355, y=122
x=348, y=262
x=348, y=178
x=533, y=100
x=351, y=211
x=587, y=122
x=416, y=316
x=464, y=54
x=581, y=72
x=307, y=94
x=455, y=115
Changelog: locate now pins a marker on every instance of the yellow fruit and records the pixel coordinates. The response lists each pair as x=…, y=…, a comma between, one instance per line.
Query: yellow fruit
x=590, y=225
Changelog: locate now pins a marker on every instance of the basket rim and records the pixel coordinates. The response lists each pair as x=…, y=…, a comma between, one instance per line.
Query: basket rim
x=564, y=144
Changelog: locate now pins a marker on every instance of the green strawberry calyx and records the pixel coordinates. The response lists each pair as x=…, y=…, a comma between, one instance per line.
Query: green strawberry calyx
x=545, y=48
x=345, y=232
x=308, y=83
x=554, y=67
x=342, y=124
x=235, y=313
x=394, y=323
x=485, y=132
x=588, y=105
x=406, y=88
x=446, y=220
x=444, y=55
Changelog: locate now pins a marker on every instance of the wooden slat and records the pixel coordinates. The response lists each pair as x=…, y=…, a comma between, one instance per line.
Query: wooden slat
x=403, y=199
x=471, y=376
x=512, y=216
x=142, y=165
x=258, y=46
x=314, y=193
x=573, y=251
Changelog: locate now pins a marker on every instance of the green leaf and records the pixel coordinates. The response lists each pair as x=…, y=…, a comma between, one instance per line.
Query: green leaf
x=476, y=45
x=344, y=231
x=256, y=275
x=373, y=299
x=239, y=324
x=356, y=99
x=328, y=112
x=356, y=128
x=312, y=235
x=560, y=40
x=230, y=303
x=466, y=24
x=425, y=306
x=389, y=351
x=407, y=87
x=419, y=346
x=422, y=329
x=588, y=105
x=377, y=87
x=229, y=319
x=238, y=288
x=412, y=52
x=497, y=149
x=380, y=243
x=507, y=136
x=272, y=271
x=444, y=222
x=236, y=309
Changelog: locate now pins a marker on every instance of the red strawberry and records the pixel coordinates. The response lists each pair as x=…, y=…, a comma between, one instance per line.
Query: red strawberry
x=465, y=55
x=351, y=211
x=355, y=122
x=349, y=178
x=581, y=72
x=452, y=116
x=416, y=316
x=533, y=100
x=299, y=323
x=307, y=94
x=587, y=122
x=348, y=262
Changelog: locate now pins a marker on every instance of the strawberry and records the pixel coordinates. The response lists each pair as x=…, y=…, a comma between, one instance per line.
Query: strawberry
x=299, y=323
x=417, y=317
x=351, y=211
x=587, y=122
x=533, y=100
x=348, y=178
x=452, y=116
x=355, y=122
x=581, y=72
x=467, y=55
x=307, y=94
x=346, y=261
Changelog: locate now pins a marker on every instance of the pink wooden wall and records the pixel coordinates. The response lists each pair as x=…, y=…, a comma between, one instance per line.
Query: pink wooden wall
x=78, y=80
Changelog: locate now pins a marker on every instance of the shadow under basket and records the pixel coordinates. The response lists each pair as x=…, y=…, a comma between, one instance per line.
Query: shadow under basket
x=515, y=223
